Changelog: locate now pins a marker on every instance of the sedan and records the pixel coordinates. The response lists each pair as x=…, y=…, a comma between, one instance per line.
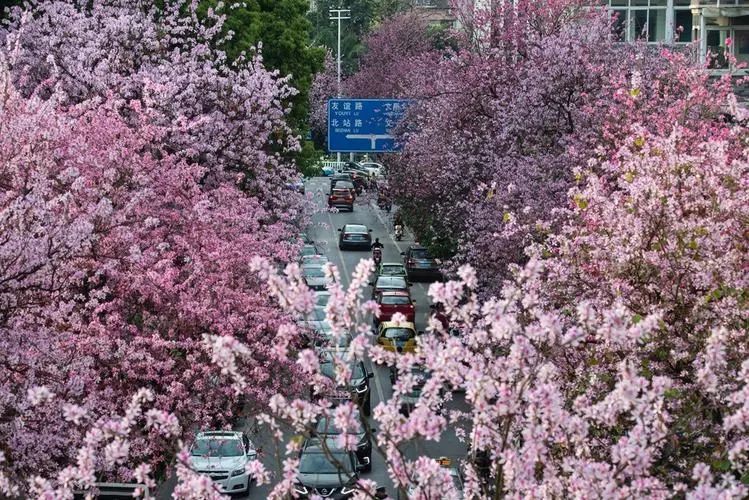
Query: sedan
x=395, y=302
x=326, y=428
x=390, y=284
x=355, y=236
x=391, y=269
x=314, y=276
x=397, y=337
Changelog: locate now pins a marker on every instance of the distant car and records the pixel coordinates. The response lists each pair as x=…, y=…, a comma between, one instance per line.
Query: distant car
x=341, y=180
x=359, y=179
x=223, y=456
x=309, y=250
x=341, y=198
x=389, y=284
x=357, y=388
x=397, y=337
x=326, y=471
x=317, y=260
x=455, y=474
x=420, y=265
x=297, y=186
x=391, y=269
x=314, y=277
x=328, y=171
x=326, y=428
x=374, y=169
x=411, y=398
x=355, y=236
x=395, y=302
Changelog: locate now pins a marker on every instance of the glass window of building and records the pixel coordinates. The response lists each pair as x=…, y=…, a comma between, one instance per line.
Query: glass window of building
x=640, y=19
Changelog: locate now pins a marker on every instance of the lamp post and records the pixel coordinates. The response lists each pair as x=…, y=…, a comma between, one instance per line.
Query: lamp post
x=339, y=15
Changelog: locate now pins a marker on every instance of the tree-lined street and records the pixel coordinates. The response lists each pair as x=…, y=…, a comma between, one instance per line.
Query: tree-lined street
x=197, y=301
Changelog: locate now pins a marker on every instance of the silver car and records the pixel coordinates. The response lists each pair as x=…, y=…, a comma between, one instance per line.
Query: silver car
x=223, y=456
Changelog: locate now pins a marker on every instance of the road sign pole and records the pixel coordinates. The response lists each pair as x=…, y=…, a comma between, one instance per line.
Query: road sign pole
x=340, y=14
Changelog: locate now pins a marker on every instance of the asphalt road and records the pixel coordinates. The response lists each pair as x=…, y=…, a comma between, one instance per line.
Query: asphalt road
x=324, y=232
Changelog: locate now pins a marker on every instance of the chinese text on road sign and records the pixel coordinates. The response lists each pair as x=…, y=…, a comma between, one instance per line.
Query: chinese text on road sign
x=363, y=125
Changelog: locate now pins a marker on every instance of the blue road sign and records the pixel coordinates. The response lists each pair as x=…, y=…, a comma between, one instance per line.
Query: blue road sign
x=363, y=125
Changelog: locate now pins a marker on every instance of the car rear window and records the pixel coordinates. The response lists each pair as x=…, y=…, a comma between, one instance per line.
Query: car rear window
x=420, y=253
x=341, y=192
x=394, y=300
x=351, y=228
x=399, y=333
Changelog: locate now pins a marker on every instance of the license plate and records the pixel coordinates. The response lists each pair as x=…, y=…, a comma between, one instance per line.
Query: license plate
x=341, y=395
x=356, y=237
x=423, y=265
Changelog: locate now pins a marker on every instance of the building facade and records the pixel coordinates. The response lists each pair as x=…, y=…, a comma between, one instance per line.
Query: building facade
x=718, y=27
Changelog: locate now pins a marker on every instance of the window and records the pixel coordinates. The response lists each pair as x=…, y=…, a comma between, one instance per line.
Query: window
x=683, y=25
x=639, y=20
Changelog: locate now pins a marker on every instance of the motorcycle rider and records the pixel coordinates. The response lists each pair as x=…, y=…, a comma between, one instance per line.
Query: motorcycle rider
x=377, y=251
x=377, y=244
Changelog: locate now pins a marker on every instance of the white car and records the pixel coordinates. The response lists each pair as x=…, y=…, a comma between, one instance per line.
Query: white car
x=223, y=456
x=374, y=169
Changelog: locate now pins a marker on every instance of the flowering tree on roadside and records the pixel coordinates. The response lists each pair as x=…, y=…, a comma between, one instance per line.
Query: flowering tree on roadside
x=137, y=184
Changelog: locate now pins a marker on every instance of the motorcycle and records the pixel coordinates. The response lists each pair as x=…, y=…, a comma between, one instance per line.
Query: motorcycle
x=398, y=232
x=377, y=255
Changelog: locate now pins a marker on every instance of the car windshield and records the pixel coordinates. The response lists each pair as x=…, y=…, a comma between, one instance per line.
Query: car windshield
x=392, y=270
x=313, y=272
x=217, y=448
x=327, y=426
x=308, y=250
x=398, y=333
x=328, y=370
x=394, y=300
x=321, y=299
x=420, y=253
x=322, y=463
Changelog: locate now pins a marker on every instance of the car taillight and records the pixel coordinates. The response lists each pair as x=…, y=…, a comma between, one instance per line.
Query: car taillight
x=411, y=262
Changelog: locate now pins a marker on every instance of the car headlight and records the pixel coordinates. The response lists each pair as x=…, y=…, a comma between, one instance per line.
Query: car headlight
x=237, y=472
x=300, y=488
x=362, y=388
x=347, y=490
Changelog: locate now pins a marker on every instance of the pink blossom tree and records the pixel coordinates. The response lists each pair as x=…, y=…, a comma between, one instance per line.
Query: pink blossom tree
x=126, y=267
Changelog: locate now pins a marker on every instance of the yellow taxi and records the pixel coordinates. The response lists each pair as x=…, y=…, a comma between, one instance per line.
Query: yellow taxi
x=399, y=337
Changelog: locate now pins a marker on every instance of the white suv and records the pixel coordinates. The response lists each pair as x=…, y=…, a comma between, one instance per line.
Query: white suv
x=223, y=456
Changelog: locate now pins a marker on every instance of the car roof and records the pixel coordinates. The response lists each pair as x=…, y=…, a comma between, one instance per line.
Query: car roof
x=355, y=228
x=416, y=247
x=393, y=324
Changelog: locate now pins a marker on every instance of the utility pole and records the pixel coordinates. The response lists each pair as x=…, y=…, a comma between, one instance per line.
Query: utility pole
x=339, y=15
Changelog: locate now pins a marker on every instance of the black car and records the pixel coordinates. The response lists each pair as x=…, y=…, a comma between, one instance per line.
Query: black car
x=359, y=179
x=355, y=236
x=357, y=389
x=326, y=429
x=411, y=398
x=420, y=265
x=327, y=471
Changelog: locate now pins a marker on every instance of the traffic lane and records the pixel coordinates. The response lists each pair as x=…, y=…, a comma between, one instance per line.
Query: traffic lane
x=449, y=445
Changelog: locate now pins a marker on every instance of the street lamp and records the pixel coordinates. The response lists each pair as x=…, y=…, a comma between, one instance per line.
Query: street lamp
x=339, y=15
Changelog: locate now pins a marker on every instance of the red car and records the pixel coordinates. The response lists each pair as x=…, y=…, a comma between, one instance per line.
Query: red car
x=392, y=302
x=341, y=198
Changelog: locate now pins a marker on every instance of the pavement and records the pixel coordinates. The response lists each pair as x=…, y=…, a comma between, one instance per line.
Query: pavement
x=325, y=235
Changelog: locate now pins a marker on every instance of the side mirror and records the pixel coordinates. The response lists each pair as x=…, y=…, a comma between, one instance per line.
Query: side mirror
x=420, y=332
x=369, y=230
x=371, y=283
x=402, y=253
x=370, y=375
x=339, y=229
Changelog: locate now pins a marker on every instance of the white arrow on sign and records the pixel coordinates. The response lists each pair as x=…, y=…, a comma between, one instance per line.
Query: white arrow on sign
x=371, y=137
